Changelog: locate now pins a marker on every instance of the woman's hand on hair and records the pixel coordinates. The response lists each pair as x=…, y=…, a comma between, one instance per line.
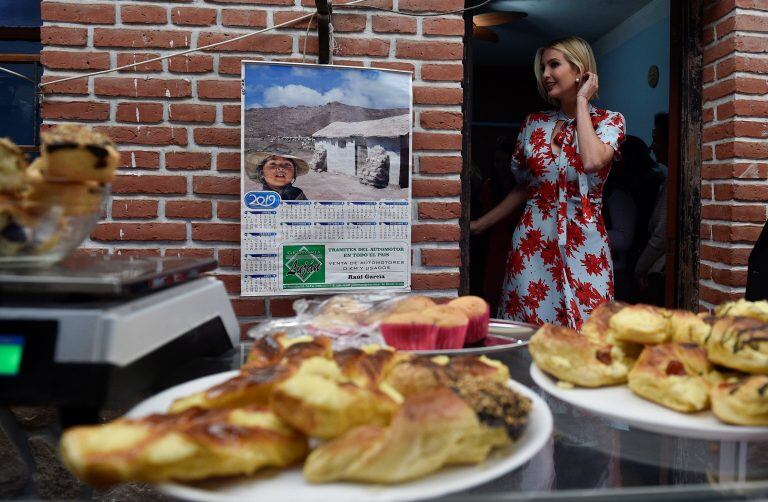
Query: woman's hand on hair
x=589, y=86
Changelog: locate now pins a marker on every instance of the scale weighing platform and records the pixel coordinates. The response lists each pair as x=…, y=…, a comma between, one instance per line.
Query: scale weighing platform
x=94, y=331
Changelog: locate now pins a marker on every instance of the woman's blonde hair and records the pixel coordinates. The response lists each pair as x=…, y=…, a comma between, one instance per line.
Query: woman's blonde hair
x=576, y=51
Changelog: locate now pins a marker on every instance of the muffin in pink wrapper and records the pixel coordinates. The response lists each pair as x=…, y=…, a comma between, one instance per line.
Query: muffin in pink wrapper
x=451, y=326
x=409, y=331
x=479, y=313
x=413, y=304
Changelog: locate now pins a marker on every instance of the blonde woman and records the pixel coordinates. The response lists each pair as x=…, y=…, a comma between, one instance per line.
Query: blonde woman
x=559, y=266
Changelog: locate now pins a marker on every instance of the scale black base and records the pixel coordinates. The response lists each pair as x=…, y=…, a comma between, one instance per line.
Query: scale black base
x=103, y=332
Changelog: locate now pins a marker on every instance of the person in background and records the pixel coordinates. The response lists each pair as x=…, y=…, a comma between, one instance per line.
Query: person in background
x=647, y=177
x=558, y=269
x=649, y=269
x=619, y=213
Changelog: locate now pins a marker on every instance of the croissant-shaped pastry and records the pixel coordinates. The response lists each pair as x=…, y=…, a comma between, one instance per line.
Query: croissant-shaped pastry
x=429, y=431
x=195, y=444
x=740, y=343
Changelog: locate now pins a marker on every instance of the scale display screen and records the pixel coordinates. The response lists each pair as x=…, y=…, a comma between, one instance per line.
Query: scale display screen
x=11, y=350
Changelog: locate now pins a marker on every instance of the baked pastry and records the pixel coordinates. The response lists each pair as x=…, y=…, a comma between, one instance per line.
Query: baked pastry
x=740, y=343
x=13, y=234
x=368, y=366
x=13, y=166
x=479, y=313
x=572, y=357
x=272, y=359
x=320, y=401
x=744, y=402
x=74, y=198
x=193, y=445
x=429, y=431
x=687, y=327
x=641, y=324
x=77, y=153
x=413, y=303
x=409, y=331
x=743, y=308
x=452, y=324
x=673, y=375
x=598, y=324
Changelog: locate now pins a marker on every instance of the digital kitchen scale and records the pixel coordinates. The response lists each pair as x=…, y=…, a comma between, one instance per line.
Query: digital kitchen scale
x=95, y=331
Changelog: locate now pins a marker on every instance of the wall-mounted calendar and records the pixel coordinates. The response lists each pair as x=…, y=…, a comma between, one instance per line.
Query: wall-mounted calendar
x=326, y=179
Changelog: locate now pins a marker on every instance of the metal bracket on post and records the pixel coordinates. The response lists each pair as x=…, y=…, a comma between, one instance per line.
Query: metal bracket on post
x=323, y=31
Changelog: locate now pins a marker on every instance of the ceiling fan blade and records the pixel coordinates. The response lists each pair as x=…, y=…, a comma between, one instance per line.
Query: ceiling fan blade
x=497, y=18
x=486, y=34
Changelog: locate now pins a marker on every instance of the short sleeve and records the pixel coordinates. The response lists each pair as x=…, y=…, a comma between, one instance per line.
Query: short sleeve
x=519, y=169
x=612, y=130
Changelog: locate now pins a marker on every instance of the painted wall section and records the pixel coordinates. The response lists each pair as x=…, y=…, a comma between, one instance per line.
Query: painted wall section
x=624, y=56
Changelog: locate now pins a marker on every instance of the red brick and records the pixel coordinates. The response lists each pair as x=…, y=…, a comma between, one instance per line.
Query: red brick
x=217, y=137
x=708, y=74
x=248, y=307
x=441, y=257
x=190, y=252
x=394, y=24
x=187, y=160
x=436, y=141
x=193, y=16
x=722, y=192
x=131, y=208
x=228, y=209
x=437, y=96
x=75, y=110
x=193, y=209
x=276, y=44
x=436, y=188
x=430, y=5
x=140, y=232
x=218, y=89
x=231, y=282
x=143, y=14
x=750, y=43
x=281, y=307
x=147, y=183
x=180, y=112
x=345, y=23
x=412, y=49
x=216, y=185
x=191, y=63
x=231, y=114
x=442, y=72
x=147, y=135
x=716, y=296
x=139, y=159
x=443, y=26
x=137, y=39
x=708, y=115
x=432, y=119
x=752, y=170
x=82, y=12
x=743, y=108
x=362, y=46
x=736, y=233
x=733, y=213
x=139, y=112
x=229, y=65
x=62, y=60
x=229, y=257
x=716, y=171
x=254, y=2
x=228, y=161
x=435, y=233
x=252, y=18
x=77, y=86
x=142, y=88
x=56, y=35
x=716, y=10
x=421, y=282
x=224, y=232
x=748, y=150
x=124, y=59
x=440, y=165
x=725, y=255
x=389, y=65
x=439, y=210
x=138, y=252
x=381, y=4
x=750, y=192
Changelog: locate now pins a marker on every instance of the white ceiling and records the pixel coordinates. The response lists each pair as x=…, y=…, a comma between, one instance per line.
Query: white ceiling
x=548, y=20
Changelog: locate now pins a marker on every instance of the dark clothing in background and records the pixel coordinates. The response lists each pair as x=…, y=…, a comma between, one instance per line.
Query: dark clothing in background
x=757, y=271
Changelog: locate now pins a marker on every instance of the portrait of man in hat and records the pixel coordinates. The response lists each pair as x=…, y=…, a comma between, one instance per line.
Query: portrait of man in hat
x=277, y=168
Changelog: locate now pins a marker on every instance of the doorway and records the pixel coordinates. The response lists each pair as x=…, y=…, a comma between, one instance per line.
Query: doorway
x=637, y=43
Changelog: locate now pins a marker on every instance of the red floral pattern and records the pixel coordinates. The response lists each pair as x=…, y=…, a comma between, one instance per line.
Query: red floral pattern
x=558, y=269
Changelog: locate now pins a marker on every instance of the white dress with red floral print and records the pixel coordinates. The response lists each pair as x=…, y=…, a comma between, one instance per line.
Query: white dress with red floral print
x=559, y=266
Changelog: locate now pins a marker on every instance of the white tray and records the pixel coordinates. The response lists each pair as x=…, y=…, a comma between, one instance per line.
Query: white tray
x=621, y=404
x=289, y=484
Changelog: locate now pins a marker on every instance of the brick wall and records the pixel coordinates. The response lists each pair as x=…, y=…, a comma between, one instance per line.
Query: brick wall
x=734, y=147
x=177, y=121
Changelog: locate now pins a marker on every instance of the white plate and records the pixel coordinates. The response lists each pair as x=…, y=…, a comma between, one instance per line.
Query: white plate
x=621, y=404
x=289, y=484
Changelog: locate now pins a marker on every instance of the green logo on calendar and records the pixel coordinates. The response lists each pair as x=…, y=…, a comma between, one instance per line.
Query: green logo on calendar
x=304, y=264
